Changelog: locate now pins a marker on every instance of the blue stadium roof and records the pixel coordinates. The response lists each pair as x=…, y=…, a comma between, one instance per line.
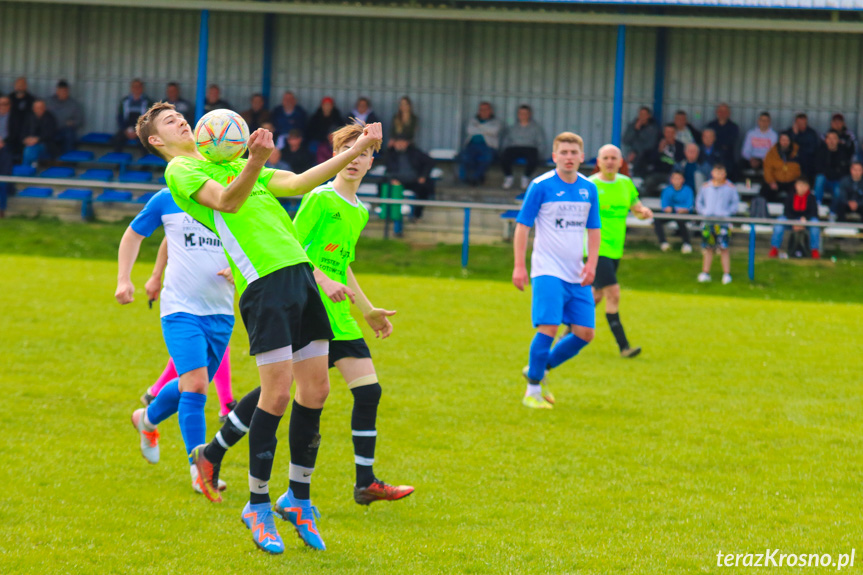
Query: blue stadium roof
x=784, y=4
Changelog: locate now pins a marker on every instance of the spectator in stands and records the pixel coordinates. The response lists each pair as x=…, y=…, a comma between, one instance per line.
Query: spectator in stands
x=257, y=113
x=666, y=154
x=39, y=135
x=639, y=141
x=803, y=207
x=324, y=150
x=691, y=166
x=525, y=140
x=172, y=96
x=727, y=135
x=404, y=122
x=22, y=104
x=807, y=141
x=214, y=101
x=69, y=115
x=289, y=115
x=295, y=153
x=363, y=111
x=849, y=200
x=677, y=198
x=832, y=164
x=480, y=146
x=6, y=159
x=717, y=198
x=276, y=162
x=711, y=154
x=410, y=167
x=133, y=105
x=323, y=122
x=686, y=134
x=847, y=140
x=758, y=142
x=781, y=169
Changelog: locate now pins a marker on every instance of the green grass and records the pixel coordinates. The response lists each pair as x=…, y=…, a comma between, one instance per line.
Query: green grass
x=738, y=429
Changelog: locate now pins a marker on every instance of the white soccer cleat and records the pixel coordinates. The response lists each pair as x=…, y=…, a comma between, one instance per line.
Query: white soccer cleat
x=726, y=279
x=665, y=246
x=703, y=277
x=507, y=182
x=524, y=182
x=686, y=249
x=149, y=439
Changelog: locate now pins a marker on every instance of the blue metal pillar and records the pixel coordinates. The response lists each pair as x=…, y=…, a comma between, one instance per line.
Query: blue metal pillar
x=269, y=45
x=203, y=47
x=619, y=69
x=751, y=252
x=465, y=244
x=659, y=73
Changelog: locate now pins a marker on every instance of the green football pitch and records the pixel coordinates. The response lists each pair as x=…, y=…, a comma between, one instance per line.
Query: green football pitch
x=737, y=430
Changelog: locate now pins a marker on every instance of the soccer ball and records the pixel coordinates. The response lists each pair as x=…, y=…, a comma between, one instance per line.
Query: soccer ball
x=221, y=136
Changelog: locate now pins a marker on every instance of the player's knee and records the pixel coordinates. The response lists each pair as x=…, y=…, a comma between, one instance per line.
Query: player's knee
x=195, y=381
x=585, y=333
x=613, y=297
x=369, y=394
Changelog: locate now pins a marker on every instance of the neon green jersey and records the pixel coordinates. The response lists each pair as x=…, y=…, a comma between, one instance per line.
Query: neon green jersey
x=328, y=227
x=615, y=200
x=259, y=239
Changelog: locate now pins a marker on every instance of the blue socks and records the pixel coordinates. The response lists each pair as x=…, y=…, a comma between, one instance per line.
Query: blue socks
x=566, y=348
x=540, y=349
x=190, y=414
x=166, y=403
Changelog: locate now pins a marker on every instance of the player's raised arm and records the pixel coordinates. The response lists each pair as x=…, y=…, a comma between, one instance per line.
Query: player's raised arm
x=285, y=183
x=130, y=245
x=376, y=317
x=229, y=199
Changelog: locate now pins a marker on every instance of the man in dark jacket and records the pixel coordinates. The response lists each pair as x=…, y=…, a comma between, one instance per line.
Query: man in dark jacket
x=639, y=141
x=847, y=140
x=295, y=153
x=410, y=167
x=664, y=156
x=135, y=104
x=727, y=136
x=831, y=166
x=39, y=134
x=807, y=141
x=22, y=104
x=849, y=200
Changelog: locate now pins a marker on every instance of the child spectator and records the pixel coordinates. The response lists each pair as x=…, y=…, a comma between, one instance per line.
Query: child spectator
x=717, y=198
x=803, y=207
x=676, y=199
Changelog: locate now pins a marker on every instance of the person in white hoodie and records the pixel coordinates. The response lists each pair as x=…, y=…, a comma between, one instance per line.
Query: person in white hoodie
x=482, y=140
x=758, y=142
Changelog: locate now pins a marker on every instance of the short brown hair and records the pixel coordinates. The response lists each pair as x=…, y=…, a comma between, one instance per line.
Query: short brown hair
x=146, y=125
x=350, y=132
x=567, y=138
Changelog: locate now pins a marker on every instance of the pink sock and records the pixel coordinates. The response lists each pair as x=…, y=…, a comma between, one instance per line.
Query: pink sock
x=167, y=375
x=223, y=382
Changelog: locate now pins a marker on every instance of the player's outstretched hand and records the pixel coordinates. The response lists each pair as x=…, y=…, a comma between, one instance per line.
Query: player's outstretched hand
x=125, y=292
x=588, y=274
x=337, y=292
x=520, y=278
x=226, y=273
x=153, y=287
x=260, y=145
x=372, y=134
x=377, y=320
x=645, y=213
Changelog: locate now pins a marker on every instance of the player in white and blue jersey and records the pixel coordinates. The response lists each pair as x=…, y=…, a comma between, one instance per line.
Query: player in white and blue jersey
x=197, y=311
x=562, y=204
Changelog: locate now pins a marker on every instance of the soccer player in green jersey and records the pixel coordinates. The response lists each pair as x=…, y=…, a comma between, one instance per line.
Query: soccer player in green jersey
x=279, y=301
x=329, y=223
x=617, y=197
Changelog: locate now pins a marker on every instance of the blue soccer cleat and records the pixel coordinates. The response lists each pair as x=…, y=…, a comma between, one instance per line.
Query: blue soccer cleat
x=301, y=513
x=259, y=519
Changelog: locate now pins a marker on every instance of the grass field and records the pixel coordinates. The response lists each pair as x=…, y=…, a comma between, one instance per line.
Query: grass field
x=738, y=429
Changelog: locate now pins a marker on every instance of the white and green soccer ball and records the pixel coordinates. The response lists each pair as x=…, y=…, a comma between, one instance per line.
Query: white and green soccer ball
x=221, y=136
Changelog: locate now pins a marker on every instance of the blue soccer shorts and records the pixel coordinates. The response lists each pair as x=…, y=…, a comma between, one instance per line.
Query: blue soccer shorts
x=196, y=341
x=556, y=302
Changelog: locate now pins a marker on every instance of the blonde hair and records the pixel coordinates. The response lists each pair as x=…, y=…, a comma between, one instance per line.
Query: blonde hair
x=567, y=138
x=350, y=132
x=146, y=126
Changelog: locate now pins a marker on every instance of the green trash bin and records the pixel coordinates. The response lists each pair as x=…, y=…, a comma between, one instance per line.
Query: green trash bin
x=394, y=192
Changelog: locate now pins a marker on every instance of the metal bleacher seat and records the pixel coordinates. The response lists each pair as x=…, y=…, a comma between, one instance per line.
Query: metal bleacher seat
x=121, y=159
x=114, y=196
x=75, y=194
x=152, y=160
x=76, y=156
x=96, y=138
x=145, y=197
x=35, y=193
x=443, y=155
x=136, y=177
x=162, y=181
x=58, y=172
x=23, y=171
x=98, y=175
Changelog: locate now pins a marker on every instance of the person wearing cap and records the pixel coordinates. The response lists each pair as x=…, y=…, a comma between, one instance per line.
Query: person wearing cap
x=326, y=119
x=847, y=140
x=69, y=115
